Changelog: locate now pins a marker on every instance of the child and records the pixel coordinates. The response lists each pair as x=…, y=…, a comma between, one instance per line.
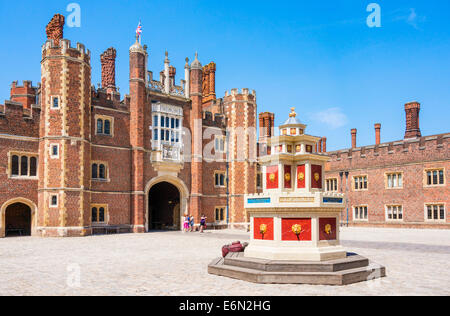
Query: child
x=203, y=223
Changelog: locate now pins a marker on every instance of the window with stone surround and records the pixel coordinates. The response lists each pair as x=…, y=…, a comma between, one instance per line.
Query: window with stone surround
x=53, y=201
x=435, y=212
x=394, y=180
x=220, y=213
x=99, y=171
x=54, y=151
x=219, y=144
x=361, y=213
x=435, y=177
x=360, y=183
x=219, y=179
x=166, y=129
x=99, y=213
x=104, y=125
x=22, y=165
x=394, y=212
x=55, y=102
x=332, y=185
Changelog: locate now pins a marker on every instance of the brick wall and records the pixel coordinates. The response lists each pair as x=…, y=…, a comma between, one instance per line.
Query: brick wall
x=411, y=158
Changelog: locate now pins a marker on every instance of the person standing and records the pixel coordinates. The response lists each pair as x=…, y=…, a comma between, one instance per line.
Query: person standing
x=203, y=223
x=192, y=223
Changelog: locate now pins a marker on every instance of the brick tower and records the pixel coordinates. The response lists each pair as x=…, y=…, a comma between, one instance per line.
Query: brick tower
x=240, y=109
x=64, y=146
x=138, y=100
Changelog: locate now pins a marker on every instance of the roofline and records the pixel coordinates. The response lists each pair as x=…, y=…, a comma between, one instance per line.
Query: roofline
x=408, y=140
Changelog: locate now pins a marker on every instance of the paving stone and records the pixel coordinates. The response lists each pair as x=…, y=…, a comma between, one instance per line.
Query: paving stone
x=176, y=264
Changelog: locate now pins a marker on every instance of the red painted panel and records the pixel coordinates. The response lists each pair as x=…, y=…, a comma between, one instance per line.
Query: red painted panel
x=301, y=177
x=288, y=234
x=327, y=229
x=263, y=228
x=288, y=177
x=272, y=177
x=316, y=177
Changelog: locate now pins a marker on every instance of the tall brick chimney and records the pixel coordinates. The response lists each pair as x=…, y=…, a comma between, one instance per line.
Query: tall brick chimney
x=172, y=74
x=266, y=125
x=377, y=133
x=108, y=60
x=324, y=144
x=212, y=79
x=55, y=29
x=412, y=110
x=354, y=132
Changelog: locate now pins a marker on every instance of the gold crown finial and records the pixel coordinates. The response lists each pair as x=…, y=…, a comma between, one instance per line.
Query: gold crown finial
x=293, y=114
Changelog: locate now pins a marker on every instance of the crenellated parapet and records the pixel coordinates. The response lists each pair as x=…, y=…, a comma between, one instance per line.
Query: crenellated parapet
x=430, y=148
x=109, y=99
x=214, y=120
x=15, y=119
x=243, y=92
x=26, y=94
x=51, y=49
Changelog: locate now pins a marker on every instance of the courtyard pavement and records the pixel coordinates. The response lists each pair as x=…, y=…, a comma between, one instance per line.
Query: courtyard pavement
x=173, y=263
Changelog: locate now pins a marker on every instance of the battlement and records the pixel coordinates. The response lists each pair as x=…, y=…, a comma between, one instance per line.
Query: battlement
x=26, y=84
x=15, y=119
x=26, y=94
x=109, y=99
x=210, y=120
x=237, y=92
x=428, y=148
x=64, y=47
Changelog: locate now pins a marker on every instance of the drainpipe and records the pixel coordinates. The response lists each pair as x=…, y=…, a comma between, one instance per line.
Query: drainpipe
x=228, y=177
x=341, y=175
x=346, y=193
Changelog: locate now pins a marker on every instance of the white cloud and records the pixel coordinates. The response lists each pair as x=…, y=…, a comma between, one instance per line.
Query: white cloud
x=332, y=117
x=411, y=17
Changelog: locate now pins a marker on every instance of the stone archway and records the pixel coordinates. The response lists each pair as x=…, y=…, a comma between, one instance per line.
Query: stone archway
x=174, y=202
x=18, y=217
x=164, y=212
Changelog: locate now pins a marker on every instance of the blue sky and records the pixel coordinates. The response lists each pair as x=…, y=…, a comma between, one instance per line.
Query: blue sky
x=319, y=56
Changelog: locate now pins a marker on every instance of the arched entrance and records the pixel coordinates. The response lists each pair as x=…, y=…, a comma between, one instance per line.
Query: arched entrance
x=164, y=207
x=18, y=220
x=18, y=217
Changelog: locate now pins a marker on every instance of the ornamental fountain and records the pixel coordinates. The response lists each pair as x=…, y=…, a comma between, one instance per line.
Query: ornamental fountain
x=295, y=224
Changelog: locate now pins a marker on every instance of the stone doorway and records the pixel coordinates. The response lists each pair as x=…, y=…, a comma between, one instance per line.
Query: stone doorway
x=164, y=207
x=18, y=220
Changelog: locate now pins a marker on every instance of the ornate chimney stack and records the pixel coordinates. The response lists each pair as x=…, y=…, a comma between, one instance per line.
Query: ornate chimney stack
x=324, y=144
x=108, y=60
x=412, y=110
x=172, y=74
x=55, y=29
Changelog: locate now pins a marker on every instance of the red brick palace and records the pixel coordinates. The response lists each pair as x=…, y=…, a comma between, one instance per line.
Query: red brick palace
x=78, y=160
x=395, y=184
